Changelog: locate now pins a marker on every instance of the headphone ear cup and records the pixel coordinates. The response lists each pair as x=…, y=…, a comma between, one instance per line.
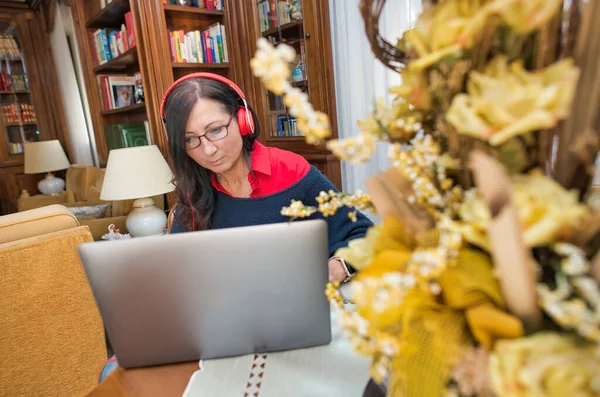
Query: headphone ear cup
x=245, y=121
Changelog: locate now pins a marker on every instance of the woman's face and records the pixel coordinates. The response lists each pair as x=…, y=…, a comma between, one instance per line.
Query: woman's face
x=209, y=117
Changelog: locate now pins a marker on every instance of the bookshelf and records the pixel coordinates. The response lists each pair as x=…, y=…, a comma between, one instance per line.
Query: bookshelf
x=156, y=57
x=112, y=58
x=30, y=104
x=305, y=27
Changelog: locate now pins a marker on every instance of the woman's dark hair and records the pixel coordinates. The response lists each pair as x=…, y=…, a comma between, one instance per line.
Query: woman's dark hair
x=193, y=182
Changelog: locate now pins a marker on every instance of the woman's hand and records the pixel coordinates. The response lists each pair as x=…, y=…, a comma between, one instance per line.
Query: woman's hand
x=336, y=271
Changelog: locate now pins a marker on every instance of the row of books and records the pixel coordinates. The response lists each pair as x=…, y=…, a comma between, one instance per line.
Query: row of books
x=286, y=126
x=120, y=136
x=208, y=46
x=8, y=47
x=272, y=11
x=108, y=43
x=208, y=4
x=119, y=90
x=18, y=113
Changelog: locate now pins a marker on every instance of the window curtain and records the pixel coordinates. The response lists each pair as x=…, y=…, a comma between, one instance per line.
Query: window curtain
x=360, y=78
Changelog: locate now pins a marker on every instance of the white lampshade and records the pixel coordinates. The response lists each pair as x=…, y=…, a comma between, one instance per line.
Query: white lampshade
x=45, y=156
x=136, y=172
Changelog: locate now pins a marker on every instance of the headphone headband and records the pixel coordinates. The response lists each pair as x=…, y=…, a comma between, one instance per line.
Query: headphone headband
x=200, y=75
x=244, y=117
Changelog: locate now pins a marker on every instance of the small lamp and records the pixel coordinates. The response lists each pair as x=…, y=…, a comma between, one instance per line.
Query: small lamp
x=46, y=156
x=138, y=173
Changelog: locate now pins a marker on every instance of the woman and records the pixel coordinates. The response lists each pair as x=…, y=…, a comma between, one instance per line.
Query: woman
x=225, y=178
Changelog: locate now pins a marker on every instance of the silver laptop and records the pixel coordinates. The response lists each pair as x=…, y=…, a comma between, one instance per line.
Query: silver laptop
x=210, y=294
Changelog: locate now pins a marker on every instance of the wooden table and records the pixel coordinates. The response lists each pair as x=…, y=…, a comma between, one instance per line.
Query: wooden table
x=163, y=381
x=167, y=381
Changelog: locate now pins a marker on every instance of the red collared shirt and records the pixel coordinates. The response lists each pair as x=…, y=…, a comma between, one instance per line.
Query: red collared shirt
x=273, y=171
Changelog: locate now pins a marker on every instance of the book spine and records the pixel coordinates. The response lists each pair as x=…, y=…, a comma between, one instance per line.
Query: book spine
x=224, y=39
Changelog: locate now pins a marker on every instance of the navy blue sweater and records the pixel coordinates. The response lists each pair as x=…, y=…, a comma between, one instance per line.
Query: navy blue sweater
x=235, y=212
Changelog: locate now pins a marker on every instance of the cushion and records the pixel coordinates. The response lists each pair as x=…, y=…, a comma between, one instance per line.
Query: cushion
x=35, y=222
x=91, y=212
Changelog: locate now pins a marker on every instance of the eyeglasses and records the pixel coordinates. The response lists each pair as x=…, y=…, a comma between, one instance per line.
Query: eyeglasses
x=214, y=134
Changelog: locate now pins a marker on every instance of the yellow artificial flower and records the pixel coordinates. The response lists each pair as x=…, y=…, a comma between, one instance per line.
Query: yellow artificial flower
x=545, y=364
x=506, y=100
x=413, y=89
x=452, y=26
x=359, y=251
x=546, y=211
x=442, y=30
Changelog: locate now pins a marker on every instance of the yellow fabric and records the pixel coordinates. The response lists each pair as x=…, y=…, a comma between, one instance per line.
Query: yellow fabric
x=433, y=338
x=51, y=333
x=471, y=286
x=35, y=222
x=489, y=324
x=434, y=330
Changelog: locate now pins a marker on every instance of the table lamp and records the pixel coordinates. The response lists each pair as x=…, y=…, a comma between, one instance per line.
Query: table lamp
x=46, y=156
x=138, y=173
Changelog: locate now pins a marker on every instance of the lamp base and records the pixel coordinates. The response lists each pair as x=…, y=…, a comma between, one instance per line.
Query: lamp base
x=51, y=185
x=146, y=219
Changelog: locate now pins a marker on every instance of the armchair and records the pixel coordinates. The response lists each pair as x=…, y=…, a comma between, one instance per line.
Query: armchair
x=52, y=340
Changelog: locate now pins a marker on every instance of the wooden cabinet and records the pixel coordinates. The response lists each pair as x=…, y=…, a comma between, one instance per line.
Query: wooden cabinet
x=12, y=182
x=30, y=106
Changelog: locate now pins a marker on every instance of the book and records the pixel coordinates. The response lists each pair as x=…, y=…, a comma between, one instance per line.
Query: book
x=120, y=136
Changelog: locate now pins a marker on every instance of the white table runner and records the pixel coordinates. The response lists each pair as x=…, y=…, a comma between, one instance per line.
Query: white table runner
x=332, y=370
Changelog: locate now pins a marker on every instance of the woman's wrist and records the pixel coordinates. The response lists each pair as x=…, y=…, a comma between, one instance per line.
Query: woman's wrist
x=349, y=271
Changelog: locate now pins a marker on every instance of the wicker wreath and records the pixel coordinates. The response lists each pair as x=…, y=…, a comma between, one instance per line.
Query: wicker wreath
x=387, y=53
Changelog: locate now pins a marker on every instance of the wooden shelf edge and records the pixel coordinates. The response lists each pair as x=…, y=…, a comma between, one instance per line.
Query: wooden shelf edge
x=16, y=92
x=168, y=8
x=124, y=109
x=272, y=31
x=102, y=17
x=184, y=65
x=117, y=63
x=18, y=124
x=297, y=138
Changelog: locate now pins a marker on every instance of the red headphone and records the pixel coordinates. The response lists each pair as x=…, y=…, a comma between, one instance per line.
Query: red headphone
x=244, y=116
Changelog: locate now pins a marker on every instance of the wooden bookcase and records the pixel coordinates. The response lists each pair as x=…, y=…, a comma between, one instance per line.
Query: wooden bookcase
x=88, y=17
x=309, y=34
x=152, y=57
x=31, y=105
